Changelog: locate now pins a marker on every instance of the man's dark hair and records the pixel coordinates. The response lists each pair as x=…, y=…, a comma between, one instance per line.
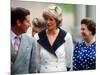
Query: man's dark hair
x=18, y=14
x=91, y=25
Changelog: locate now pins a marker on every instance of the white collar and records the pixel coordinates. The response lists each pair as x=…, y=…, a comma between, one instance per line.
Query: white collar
x=92, y=41
x=13, y=35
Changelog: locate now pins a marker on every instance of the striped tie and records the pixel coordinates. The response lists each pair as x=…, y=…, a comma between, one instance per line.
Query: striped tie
x=17, y=43
x=16, y=47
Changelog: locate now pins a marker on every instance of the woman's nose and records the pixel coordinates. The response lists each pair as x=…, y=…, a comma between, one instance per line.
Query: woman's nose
x=47, y=21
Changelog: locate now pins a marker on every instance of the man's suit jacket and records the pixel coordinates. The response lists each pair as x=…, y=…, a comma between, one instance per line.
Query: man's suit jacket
x=25, y=60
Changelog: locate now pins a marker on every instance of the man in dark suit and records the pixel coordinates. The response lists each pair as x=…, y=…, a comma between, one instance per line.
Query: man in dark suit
x=22, y=46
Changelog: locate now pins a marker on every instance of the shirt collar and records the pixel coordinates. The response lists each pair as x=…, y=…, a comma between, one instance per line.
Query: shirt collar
x=92, y=41
x=13, y=35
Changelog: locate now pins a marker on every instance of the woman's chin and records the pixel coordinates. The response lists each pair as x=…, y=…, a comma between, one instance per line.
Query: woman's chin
x=49, y=29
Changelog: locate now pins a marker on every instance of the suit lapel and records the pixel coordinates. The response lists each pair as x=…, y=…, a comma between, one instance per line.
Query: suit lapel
x=16, y=63
x=43, y=41
x=59, y=40
x=23, y=52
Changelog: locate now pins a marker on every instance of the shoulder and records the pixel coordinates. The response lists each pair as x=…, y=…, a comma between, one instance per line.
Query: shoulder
x=79, y=44
x=62, y=31
x=39, y=35
x=68, y=36
x=25, y=36
x=28, y=38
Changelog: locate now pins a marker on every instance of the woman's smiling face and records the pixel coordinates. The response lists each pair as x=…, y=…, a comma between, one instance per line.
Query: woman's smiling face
x=51, y=23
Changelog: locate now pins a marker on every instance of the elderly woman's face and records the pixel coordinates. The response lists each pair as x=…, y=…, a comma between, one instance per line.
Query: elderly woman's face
x=51, y=23
x=85, y=32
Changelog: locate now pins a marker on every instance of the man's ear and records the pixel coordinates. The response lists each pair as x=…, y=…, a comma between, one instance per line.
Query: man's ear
x=18, y=23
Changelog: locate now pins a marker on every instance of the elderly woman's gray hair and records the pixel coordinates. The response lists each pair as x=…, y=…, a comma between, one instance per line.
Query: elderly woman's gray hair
x=91, y=25
x=54, y=11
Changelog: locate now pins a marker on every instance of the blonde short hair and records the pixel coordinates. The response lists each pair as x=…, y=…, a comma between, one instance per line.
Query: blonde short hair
x=54, y=11
x=37, y=22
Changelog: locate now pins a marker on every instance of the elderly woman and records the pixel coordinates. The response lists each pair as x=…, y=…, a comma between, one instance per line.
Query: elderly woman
x=84, y=57
x=54, y=45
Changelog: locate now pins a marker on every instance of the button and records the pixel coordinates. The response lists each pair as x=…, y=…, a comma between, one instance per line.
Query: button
x=28, y=48
x=56, y=66
x=56, y=61
x=45, y=67
x=45, y=61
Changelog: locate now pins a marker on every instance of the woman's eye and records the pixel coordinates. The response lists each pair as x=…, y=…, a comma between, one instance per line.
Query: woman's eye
x=51, y=19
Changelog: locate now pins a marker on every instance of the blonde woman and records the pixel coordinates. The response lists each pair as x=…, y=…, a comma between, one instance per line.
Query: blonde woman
x=54, y=45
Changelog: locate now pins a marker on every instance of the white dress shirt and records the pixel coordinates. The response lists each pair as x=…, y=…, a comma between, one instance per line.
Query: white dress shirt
x=13, y=35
